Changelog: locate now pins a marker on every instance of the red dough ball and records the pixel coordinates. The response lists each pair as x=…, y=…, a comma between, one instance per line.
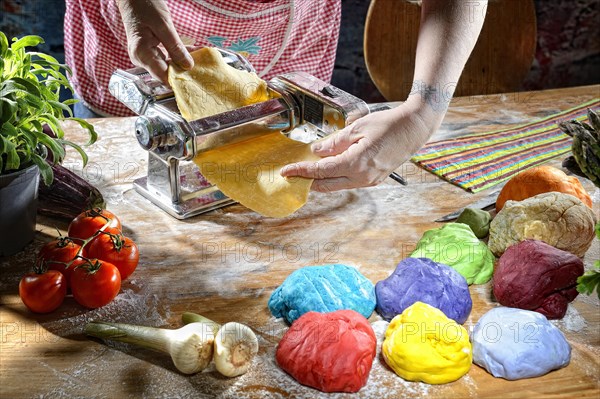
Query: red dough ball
x=533, y=275
x=332, y=352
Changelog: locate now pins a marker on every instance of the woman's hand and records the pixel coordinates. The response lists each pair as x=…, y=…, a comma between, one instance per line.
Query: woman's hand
x=366, y=152
x=148, y=25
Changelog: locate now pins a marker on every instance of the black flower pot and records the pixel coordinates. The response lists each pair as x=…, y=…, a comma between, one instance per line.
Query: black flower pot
x=18, y=206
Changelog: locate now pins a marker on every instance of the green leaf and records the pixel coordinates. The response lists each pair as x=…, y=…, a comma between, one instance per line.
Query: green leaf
x=58, y=77
x=12, y=157
x=8, y=60
x=58, y=152
x=8, y=109
x=54, y=124
x=9, y=130
x=61, y=106
x=33, y=101
x=30, y=140
x=67, y=69
x=25, y=158
x=589, y=282
x=46, y=66
x=77, y=148
x=89, y=127
x=50, y=94
x=45, y=169
x=26, y=41
x=37, y=125
x=3, y=45
x=25, y=65
x=21, y=96
x=10, y=86
x=46, y=57
x=30, y=85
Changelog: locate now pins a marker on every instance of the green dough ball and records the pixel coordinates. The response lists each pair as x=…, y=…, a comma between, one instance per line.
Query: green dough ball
x=455, y=245
x=477, y=219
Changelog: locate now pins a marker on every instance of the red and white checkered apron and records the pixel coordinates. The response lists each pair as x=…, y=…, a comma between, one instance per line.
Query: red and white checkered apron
x=277, y=36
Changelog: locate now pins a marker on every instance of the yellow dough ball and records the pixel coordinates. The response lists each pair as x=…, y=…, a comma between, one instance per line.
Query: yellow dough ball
x=422, y=344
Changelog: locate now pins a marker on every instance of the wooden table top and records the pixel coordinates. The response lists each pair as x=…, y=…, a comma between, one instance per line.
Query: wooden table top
x=226, y=263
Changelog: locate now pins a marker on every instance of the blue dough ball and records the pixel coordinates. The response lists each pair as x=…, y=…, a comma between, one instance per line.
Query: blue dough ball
x=323, y=289
x=423, y=280
x=514, y=343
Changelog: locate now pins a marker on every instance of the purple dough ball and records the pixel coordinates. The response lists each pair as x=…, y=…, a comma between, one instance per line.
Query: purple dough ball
x=421, y=279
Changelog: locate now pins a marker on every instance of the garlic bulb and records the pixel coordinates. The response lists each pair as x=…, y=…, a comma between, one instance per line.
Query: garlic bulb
x=235, y=345
x=190, y=347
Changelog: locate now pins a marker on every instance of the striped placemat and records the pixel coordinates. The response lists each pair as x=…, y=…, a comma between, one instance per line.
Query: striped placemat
x=479, y=161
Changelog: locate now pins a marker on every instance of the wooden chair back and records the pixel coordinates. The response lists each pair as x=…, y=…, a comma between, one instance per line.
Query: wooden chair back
x=499, y=62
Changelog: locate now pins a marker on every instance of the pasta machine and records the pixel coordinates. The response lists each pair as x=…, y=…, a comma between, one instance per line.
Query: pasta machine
x=174, y=182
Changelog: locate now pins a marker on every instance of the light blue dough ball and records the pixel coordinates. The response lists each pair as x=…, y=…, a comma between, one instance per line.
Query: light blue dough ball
x=514, y=344
x=323, y=289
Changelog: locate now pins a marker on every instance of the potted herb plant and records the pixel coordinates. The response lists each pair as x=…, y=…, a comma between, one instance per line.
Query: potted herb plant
x=29, y=102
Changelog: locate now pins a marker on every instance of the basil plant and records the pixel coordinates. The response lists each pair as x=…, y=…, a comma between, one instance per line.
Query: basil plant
x=30, y=83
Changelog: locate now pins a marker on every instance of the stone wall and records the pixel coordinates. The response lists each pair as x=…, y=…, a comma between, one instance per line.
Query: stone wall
x=35, y=17
x=568, y=50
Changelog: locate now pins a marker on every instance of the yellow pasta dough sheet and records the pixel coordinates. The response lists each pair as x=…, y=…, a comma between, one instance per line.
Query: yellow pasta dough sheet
x=212, y=87
x=249, y=172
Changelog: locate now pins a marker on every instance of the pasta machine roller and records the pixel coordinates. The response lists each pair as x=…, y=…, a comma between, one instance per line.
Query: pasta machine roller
x=173, y=181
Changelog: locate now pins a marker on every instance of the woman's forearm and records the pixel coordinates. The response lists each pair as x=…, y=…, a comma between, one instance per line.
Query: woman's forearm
x=448, y=33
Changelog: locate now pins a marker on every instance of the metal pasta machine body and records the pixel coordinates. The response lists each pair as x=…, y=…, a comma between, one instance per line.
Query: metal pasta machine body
x=174, y=182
